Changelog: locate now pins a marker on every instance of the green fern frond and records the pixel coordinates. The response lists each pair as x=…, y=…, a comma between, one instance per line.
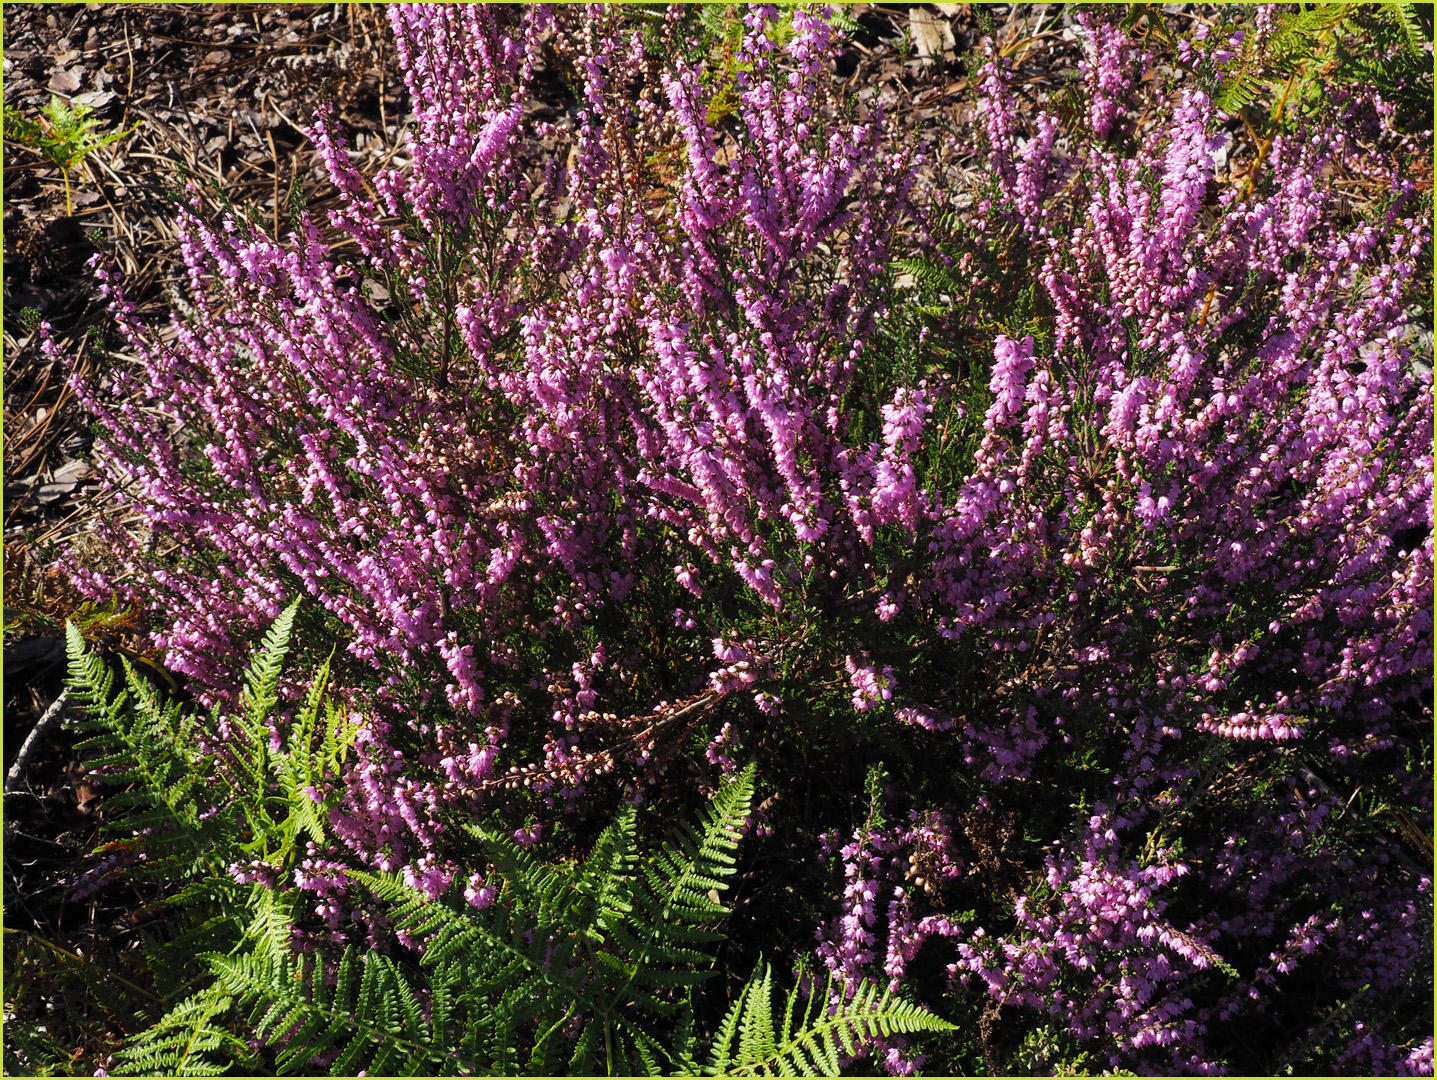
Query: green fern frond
x=1287, y=50
x=142, y=756
x=717, y=20
x=185, y=1043
x=271, y=925
x=756, y=1039
x=249, y=756
x=1405, y=17
x=1316, y=18
x=371, y=1016
x=31, y=1051
x=681, y=1060
x=678, y=898
x=840, y=20
x=611, y=861
x=698, y=861
x=261, y=681
x=1302, y=44
x=933, y=274
x=198, y=920
x=595, y=941
x=831, y=1024
x=603, y=943
x=603, y=886
x=1240, y=93
x=544, y=1058
x=283, y=786
x=648, y=1050
x=584, y=1059
x=92, y=685
x=721, y=1052
x=303, y=770
x=506, y=949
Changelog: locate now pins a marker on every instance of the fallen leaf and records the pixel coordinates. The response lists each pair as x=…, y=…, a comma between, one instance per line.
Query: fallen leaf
x=931, y=35
x=48, y=493
x=65, y=82
x=73, y=472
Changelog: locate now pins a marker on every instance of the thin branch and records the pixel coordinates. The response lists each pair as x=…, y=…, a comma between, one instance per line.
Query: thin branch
x=54, y=713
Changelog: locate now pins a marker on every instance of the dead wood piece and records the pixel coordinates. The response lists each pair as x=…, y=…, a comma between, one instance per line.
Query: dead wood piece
x=56, y=713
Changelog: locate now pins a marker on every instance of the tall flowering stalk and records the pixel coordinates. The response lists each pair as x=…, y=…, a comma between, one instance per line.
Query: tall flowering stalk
x=570, y=383
x=619, y=478
x=1200, y=514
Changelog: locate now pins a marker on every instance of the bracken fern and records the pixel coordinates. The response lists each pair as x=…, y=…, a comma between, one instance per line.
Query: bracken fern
x=589, y=965
x=830, y=1028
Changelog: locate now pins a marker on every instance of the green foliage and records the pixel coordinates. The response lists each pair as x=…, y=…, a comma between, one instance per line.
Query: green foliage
x=186, y=814
x=371, y=1015
x=147, y=755
x=30, y=1051
x=64, y=135
x=183, y=1042
x=587, y=965
x=1377, y=43
x=570, y=964
x=815, y=1031
x=607, y=949
x=272, y=784
x=721, y=34
x=30, y=610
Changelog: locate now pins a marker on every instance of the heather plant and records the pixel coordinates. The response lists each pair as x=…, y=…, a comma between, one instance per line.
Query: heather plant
x=1162, y=463
x=605, y=468
x=524, y=966
x=490, y=462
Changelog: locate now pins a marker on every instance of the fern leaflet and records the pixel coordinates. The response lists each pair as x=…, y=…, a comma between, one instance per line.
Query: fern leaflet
x=831, y=1025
